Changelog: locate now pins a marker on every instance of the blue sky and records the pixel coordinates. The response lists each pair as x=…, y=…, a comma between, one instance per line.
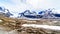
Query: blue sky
x=30, y=4
x=17, y=6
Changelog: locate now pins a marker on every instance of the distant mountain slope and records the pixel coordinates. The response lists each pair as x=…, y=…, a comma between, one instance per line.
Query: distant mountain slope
x=5, y=12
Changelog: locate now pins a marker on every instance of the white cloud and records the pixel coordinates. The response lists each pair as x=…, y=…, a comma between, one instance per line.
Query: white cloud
x=31, y=4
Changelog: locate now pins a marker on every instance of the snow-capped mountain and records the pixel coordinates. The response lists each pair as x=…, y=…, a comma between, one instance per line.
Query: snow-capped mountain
x=5, y=11
x=28, y=13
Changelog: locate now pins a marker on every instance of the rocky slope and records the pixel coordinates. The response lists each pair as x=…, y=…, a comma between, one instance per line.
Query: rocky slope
x=11, y=24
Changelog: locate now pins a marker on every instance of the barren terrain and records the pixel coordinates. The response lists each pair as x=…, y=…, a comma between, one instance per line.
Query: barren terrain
x=14, y=26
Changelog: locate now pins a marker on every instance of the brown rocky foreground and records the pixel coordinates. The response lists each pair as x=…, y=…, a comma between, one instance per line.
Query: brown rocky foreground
x=10, y=24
